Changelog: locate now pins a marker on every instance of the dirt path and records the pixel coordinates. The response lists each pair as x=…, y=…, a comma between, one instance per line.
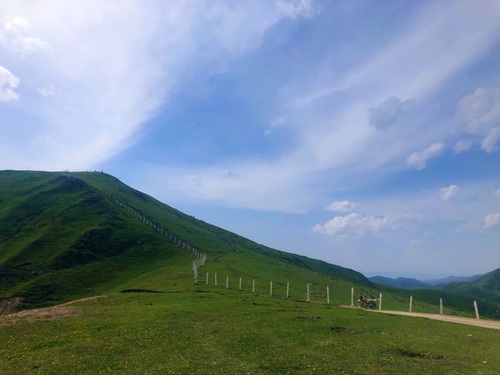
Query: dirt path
x=493, y=324
x=48, y=313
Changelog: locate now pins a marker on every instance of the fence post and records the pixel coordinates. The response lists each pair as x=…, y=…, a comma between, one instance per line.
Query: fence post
x=240, y=283
x=253, y=286
x=476, y=309
x=207, y=279
x=271, y=288
x=328, y=295
x=287, y=289
x=441, y=306
x=307, y=292
x=380, y=302
x=215, y=277
x=352, y=296
x=227, y=282
x=411, y=303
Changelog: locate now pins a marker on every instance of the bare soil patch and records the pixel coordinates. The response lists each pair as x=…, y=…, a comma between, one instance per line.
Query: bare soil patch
x=62, y=311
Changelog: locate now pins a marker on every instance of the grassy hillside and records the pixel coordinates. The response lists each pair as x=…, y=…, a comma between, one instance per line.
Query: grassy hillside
x=487, y=287
x=70, y=235
x=64, y=236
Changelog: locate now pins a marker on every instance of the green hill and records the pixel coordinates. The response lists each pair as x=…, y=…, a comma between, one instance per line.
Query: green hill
x=71, y=235
x=487, y=287
x=66, y=235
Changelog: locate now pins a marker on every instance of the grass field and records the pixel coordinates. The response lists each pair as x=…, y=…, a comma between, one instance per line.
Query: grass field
x=212, y=330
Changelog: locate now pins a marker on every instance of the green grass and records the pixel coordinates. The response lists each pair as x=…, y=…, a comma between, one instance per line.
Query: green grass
x=212, y=330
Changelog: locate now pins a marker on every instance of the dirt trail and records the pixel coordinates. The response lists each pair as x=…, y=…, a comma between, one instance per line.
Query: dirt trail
x=48, y=313
x=493, y=324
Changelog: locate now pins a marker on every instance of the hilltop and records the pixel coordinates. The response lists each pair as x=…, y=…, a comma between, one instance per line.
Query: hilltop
x=400, y=282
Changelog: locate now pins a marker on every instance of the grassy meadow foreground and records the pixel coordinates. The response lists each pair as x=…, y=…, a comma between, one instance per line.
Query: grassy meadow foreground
x=211, y=330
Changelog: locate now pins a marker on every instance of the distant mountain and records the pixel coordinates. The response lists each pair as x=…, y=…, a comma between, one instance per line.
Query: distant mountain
x=400, y=282
x=487, y=287
x=451, y=279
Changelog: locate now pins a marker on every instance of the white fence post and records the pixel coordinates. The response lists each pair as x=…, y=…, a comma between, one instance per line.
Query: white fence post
x=287, y=289
x=380, y=302
x=476, y=309
x=328, y=295
x=308, y=292
x=352, y=296
x=441, y=306
x=411, y=303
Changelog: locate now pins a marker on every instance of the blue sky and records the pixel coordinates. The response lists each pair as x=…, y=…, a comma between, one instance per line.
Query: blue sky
x=364, y=133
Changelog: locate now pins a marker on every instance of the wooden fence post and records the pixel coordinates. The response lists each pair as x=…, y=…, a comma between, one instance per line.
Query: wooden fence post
x=441, y=306
x=240, y=283
x=328, y=295
x=227, y=282
x=352, y=296
x=287, y=289
x=207, y=279
x=380, y=302
x=271, y=288
x=476, y=309
x=215, y=278
x=411, y=303
x=308, y=292
x=253, y=286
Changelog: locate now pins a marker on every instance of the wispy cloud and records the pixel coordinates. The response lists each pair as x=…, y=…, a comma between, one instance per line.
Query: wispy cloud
x=343, y=206
x=448, y=192
x=419, y=160
x=357, y=225
x=492, y=221
x=8, y=82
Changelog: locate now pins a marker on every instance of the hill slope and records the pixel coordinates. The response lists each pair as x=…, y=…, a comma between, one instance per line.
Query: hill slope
x=487, y=287
x=70, y=235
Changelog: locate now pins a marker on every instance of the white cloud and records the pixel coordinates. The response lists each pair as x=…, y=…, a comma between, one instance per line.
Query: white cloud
x=15, y=35
x=8, y=82
x=357, y=225
x=492, y=220
x=296, y=8
x=448, y=192
x=481, y=110
x=353, y=224
x=462, y=145
x=419, y=159
x=489, y=143
x=48, y=91
x=343, y=206
x=116, y=64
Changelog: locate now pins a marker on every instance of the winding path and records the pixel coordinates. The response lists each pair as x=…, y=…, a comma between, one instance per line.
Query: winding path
x=493, y=324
